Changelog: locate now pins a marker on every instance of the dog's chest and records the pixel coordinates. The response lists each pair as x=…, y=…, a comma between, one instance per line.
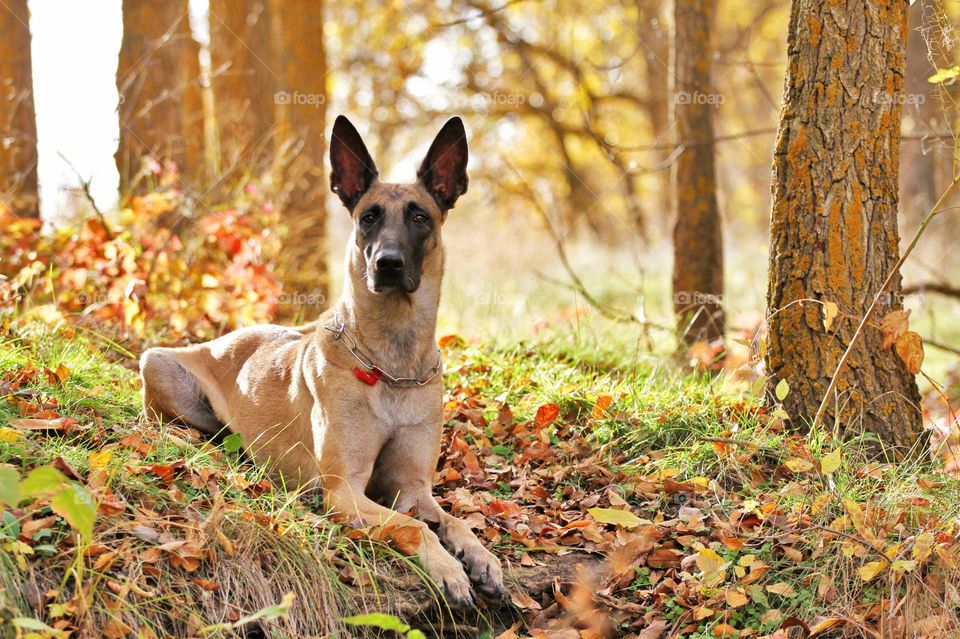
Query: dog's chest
x=399, y=407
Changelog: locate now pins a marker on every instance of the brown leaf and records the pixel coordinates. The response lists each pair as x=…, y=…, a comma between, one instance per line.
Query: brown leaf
x=524, y=601
x=656, y=630
x=909, y=347
x=58, y=424
x=116, y=629
x=893, y=325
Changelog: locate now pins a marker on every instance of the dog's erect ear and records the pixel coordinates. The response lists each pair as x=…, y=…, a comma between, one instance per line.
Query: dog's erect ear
x=444, y=170
x=353, y=168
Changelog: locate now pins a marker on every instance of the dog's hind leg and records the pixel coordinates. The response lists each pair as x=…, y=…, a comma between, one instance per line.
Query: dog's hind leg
x=171, y=392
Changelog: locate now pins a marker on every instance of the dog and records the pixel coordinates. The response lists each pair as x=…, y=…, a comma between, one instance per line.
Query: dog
x=351, y=403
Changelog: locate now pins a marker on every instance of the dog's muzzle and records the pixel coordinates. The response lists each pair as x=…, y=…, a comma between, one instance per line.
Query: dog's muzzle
x=391, y=271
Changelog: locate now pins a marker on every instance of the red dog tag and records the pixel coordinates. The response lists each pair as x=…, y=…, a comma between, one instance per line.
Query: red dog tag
x=370, y=378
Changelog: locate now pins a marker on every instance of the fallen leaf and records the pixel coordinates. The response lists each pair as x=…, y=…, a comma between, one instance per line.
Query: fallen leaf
x=798, y=465
x=782, y=588
x=546, y=414
x=615, y=517
x=870, y=570
x=831, y=462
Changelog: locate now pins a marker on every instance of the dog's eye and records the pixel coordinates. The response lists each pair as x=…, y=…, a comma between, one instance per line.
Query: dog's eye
x=370, y=216
x=421, y=218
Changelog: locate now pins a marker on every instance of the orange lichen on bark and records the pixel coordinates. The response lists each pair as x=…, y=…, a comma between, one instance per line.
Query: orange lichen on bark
x=833, y=222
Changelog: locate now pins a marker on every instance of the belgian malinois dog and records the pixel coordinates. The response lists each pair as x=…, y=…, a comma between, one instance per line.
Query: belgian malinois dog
x=353, y=402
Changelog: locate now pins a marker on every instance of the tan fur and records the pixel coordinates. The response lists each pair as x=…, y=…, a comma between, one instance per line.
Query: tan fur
x=292, y=396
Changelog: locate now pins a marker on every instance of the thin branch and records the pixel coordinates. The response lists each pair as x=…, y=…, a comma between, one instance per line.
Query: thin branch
x=85, y=189
x=933, y=287
x=670, y=146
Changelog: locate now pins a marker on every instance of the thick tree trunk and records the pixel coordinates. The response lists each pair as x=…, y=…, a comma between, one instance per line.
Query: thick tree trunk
x=697, y=237
x=834, y=219
x=160, y=94
x=921, y=116
x=304, y=62
x=18, y=122
x=245, y=79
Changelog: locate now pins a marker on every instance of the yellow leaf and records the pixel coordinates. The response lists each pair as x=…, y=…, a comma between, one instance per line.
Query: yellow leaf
x=782, y=390
x=903, y=565
x=100, y=459
x=9, y=435
x=615, y=516
x=712, y=566
x=942, y=75
x=922, y=546
x=831, y=462
x=830, y=312
x=798, y=465
x=856, y=513
x=702, y=613
x=737, y=598
x=909, y=347
x=871, y=569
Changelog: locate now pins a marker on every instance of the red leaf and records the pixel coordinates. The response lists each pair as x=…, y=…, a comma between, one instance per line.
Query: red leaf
x=546, y=414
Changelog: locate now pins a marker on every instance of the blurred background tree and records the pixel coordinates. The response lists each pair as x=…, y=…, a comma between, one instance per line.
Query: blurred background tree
x=18, y=126
x=161, y=105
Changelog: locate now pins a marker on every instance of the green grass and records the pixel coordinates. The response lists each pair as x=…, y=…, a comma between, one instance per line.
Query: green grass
x=659, y=428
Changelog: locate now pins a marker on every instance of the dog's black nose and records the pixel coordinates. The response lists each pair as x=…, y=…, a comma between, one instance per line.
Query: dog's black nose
x=390, y=260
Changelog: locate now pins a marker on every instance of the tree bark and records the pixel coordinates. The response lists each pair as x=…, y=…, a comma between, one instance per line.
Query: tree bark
x=18, y=121
x=304, y=61
x=697, y=236
x=158, y=79
x=833, y=229
x=244, y=81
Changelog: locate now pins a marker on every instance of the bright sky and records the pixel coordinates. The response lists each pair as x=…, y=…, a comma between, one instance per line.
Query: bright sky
x=75, y=48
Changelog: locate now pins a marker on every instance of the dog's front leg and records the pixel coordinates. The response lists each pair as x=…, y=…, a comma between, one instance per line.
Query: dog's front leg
x=484, y=568
x=405, y=470
x=446, y=571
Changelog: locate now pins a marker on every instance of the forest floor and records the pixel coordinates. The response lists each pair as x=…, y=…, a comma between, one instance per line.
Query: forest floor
x=625, y=498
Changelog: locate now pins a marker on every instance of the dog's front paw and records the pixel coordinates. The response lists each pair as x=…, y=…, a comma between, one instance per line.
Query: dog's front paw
x=452, y=580
x=485, y=572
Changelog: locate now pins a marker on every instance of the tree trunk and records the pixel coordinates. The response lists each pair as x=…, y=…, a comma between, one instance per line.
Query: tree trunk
x=697, y=236
x=834, y=219
x=18, y=121
x=304, y=61
x=656, y=78
x=160, y=94
x=244, y=81
x=921, y=116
